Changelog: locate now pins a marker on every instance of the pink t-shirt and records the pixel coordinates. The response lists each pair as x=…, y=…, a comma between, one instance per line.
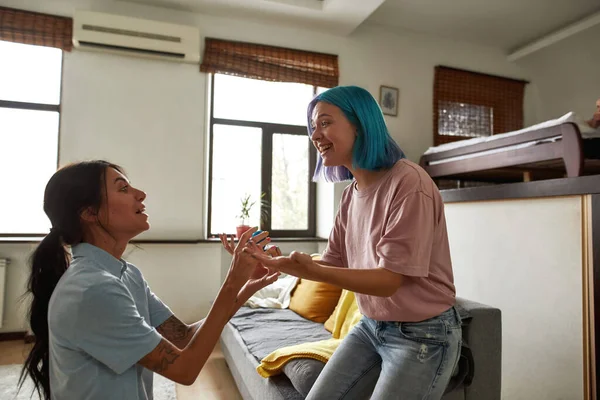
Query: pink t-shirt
x=397, y=223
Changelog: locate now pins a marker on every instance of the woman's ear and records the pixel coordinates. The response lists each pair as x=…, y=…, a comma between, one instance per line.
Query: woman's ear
x=89, y=215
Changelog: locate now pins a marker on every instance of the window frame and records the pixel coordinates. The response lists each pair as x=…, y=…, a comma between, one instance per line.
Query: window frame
x=268, y=130
x=478, y=89
x=21, y=105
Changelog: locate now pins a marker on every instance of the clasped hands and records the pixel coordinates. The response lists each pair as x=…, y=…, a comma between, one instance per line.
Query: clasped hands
x=595, y=121
x=260, y=267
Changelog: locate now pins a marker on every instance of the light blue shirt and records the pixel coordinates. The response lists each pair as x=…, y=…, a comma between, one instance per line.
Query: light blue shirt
x=102, y=318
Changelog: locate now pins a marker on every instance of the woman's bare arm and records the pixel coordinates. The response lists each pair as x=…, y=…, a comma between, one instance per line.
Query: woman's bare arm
x=373, y=281
x=177, y=332
x=184, y=365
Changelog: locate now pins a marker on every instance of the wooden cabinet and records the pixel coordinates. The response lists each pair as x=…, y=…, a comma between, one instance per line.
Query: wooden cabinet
x=534, y=259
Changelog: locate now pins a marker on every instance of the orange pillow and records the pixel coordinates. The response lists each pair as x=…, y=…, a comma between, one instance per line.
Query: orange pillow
x=315, y=300
x=331, y=320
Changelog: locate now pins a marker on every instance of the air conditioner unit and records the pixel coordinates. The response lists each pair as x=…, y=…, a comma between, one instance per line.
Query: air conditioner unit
x=125, y=35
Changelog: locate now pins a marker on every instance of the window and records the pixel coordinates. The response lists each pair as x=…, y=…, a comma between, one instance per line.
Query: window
x=467, y=120
x=469, y=104
x=259, y=144
x=30, y=78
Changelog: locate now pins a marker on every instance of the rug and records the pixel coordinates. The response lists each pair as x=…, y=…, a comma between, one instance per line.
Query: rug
x=164, y=389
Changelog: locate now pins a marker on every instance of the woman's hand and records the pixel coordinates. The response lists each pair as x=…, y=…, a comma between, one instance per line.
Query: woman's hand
x=262, y=277
x=229, y=243
x=302, y=258
x=595, y=121
x=260, y=269
x=243, y=266
x=296, y=264
x=230, y=246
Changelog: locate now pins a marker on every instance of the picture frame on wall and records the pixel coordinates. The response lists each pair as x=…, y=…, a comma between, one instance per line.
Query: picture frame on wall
x=388, y=100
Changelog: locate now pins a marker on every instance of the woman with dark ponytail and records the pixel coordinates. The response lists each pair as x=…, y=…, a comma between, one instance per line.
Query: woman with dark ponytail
x=99, y=330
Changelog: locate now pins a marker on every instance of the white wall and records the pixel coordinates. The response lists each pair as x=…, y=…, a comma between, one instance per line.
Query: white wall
x=147, y=117
x=150, y=116
x=566, y=75
x=15, y=306
x=525, y=258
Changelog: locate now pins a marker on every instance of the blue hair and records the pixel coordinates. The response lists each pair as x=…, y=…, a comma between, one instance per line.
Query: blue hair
x=374, y=148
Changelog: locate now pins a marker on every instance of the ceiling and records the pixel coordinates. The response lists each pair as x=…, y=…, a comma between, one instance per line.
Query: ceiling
x=339, y=17
x=505, y=24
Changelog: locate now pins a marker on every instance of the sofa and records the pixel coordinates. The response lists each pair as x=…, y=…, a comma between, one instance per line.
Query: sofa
x=253, y=333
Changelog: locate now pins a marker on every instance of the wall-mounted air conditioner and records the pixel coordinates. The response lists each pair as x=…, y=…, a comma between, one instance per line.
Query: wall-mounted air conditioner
x=125, y=35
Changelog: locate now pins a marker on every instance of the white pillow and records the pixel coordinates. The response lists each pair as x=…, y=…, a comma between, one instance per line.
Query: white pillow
x=277, y=295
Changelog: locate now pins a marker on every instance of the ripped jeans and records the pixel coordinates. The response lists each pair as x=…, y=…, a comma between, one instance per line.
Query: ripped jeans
x=393, y=360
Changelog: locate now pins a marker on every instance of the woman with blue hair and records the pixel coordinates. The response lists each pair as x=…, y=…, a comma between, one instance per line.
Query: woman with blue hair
x=389, y=245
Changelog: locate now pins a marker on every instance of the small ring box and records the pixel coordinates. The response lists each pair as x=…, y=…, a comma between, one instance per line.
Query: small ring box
x=258, y=233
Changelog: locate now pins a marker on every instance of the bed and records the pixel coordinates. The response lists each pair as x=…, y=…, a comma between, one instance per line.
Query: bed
x=564, y=147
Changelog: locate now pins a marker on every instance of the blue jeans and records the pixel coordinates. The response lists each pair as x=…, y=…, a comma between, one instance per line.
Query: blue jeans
x=393, y=360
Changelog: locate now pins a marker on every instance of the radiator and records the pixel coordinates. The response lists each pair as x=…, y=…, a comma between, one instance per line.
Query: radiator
x=3, y=263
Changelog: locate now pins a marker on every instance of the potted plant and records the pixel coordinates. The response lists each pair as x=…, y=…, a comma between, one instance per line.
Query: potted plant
x=246, y=207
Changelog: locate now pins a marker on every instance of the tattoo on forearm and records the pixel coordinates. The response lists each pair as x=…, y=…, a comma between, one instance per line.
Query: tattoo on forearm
x=175, y=331
x=166, y=357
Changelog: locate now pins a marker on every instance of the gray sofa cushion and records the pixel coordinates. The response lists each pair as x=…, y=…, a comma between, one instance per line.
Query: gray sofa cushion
x=265, y=330
x=303, y=373
x=242, y=365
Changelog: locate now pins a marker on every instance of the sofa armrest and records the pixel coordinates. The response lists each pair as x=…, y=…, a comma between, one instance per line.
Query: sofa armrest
x=483, y=334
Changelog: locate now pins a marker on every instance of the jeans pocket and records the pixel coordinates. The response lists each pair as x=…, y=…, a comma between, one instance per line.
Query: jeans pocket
x=429, y=332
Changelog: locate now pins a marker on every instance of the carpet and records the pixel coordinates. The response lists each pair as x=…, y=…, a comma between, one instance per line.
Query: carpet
x=164, y=389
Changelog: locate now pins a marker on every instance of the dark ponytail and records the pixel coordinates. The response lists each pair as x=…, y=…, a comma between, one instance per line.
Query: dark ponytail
x=48, y=263
x=70, y=191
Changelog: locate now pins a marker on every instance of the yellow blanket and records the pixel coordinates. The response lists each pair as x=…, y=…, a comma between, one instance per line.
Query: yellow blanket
x=346, y=315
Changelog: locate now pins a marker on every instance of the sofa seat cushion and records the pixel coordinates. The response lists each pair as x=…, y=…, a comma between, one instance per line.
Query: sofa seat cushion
x=265, y=330
x=303, y=372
